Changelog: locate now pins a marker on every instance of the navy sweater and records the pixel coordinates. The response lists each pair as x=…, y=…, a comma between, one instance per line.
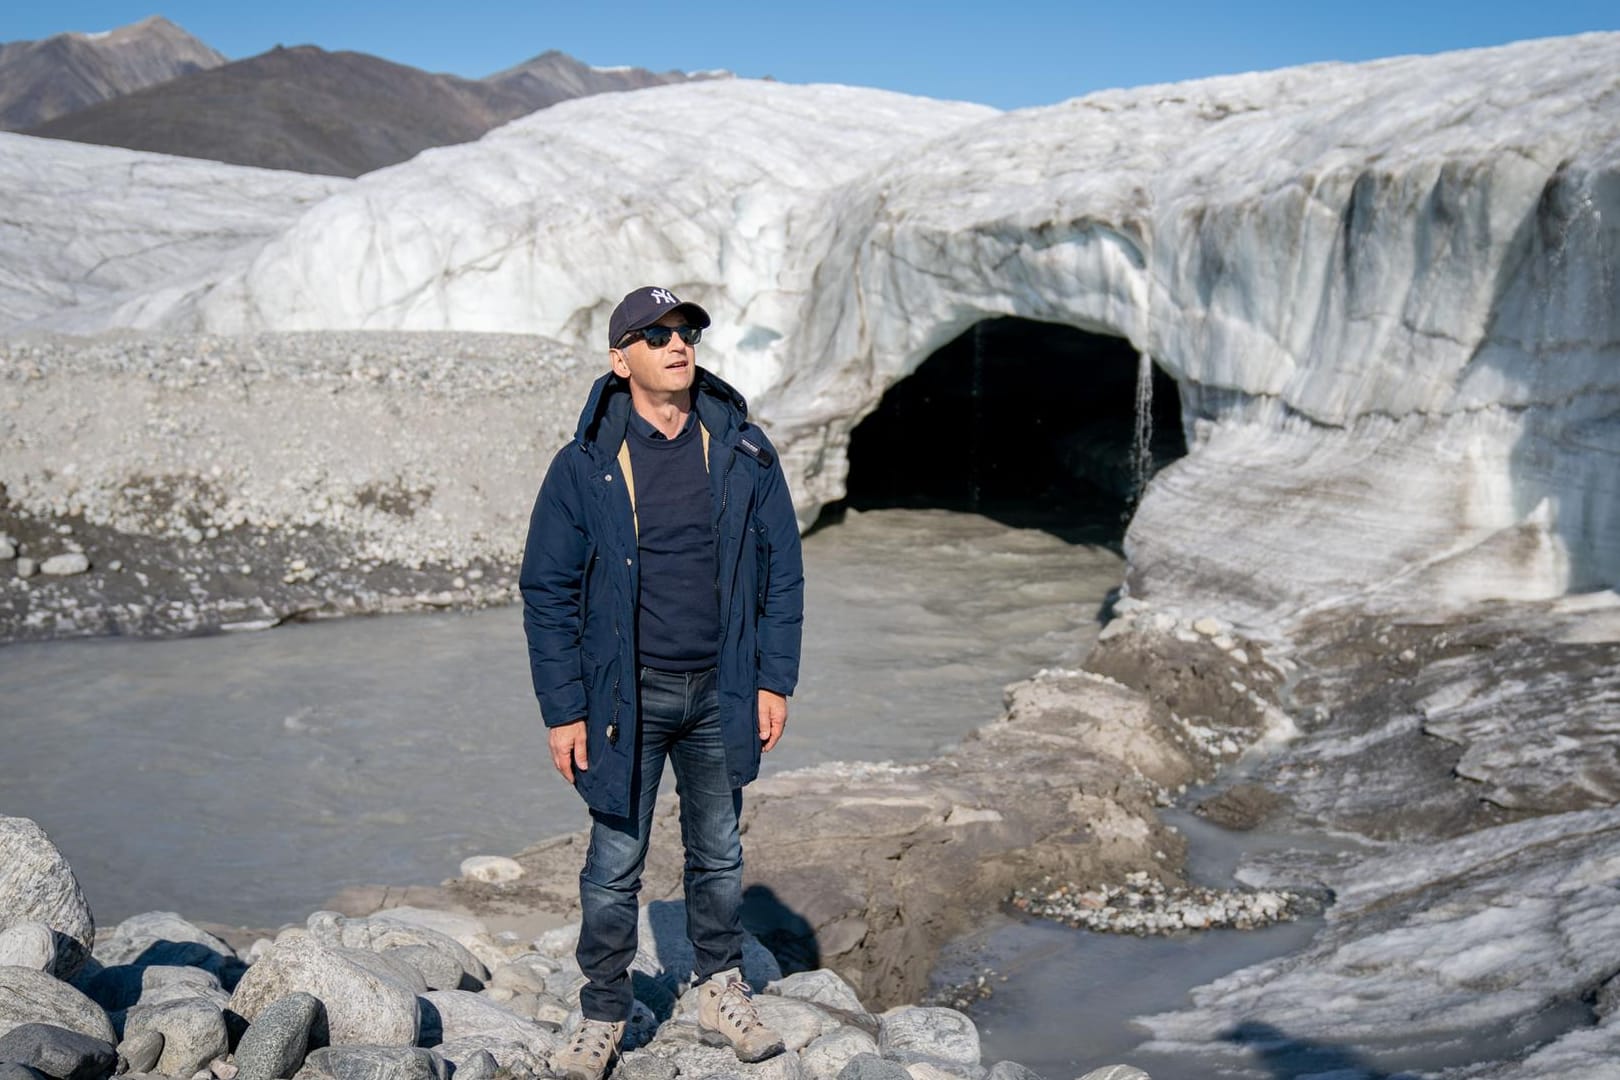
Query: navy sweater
x=678, y=625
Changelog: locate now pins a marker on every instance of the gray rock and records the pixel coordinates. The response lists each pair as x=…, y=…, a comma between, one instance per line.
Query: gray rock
x=872, y=1067
x=1011, y=1070
x=139, y=1053
x=380, y=933
x=514, y=1057
x=826, y=1057
x=437, y=970
x=58, y=1052
x=33, y=997
x=798, y=1022
x=193, y=1031
x=373, y=1063
x=693, y=1058
x=518, y=978
x=163, y=982
x=11, y=1070
x=37, y=886
x=461, y=1014
x=66, y=564
x=362, y=1007
x=1116, y=1072
x=389, y=967
x=8, y=547
x=479, y=1066
x=644, y=1065
x=29, y=945
x=821, y=987
x=274, y=1045
x=27, y=568
x=936, y=1036
x=162, y=938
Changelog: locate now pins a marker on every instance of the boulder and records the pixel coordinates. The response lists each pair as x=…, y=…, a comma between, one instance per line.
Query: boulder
x=514, y=1057
x=139, y=1053
x=29, y=945
x=798, y=1022
x=373, y=1063
x=936, y=1036
x=37, y=886
x=821, y=987
x=383, y=933
x=872, y=1067
x=33, y=997
x=461, y=1014
x=1116, y=1072
x=1011, y=1070
x=825, y=1058
x=162, y=982
x=162, y=938
x=58, y=1052
x=275, y=1043
x=480, y=1065
x=437, y=971
x=193, y=1031
x=364, y=1005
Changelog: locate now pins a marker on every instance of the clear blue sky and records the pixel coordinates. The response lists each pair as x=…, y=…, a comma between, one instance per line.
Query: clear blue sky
x=1005, y=53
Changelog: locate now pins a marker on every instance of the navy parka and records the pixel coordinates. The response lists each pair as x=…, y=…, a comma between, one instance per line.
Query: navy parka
x=580, y=582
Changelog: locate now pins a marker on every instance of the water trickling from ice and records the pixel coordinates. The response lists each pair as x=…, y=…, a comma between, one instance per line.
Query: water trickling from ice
x=1142, y=445
x=976, y=457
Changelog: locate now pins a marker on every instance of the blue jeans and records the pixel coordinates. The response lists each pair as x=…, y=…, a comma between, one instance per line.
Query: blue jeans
x=680, y=720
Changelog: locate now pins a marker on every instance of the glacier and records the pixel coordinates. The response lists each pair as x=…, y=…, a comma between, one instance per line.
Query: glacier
x=87, y=224
x=1386, y=293
x=1395, y=280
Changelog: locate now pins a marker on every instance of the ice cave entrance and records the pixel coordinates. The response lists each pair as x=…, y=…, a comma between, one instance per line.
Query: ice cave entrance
x=1034, y=424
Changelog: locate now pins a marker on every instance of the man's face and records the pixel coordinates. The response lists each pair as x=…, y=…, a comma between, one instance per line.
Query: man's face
x=669, y=370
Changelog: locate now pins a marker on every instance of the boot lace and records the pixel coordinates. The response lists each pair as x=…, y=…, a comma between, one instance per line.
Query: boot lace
x=737, y=1006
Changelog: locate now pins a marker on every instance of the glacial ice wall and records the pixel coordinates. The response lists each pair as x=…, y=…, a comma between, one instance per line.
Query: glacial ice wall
x=1386, y=290
x=85, y=225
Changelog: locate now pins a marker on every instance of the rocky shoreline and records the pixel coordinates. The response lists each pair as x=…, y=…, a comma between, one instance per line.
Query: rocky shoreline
x=406, y=993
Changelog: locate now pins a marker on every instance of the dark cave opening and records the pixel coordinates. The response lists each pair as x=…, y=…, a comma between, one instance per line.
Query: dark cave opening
x=1030, y=423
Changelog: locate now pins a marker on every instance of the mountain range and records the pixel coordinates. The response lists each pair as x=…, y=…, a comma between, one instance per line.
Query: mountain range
x=41, y=80
x=152, y=86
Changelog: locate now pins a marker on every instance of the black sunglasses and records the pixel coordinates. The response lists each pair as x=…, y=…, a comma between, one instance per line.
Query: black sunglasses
x=657, y=337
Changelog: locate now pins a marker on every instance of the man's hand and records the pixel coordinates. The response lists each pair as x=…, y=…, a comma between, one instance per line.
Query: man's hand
x=568, y=749
x=772, y=718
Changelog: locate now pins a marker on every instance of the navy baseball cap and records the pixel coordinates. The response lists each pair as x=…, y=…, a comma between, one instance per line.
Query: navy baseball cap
x=640, y=309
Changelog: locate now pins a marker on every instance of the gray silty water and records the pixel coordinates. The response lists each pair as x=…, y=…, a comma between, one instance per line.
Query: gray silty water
x=247, y=778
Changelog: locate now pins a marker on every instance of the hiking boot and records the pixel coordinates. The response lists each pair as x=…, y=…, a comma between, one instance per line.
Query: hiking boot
x=727, y=1017
x=591, y=1050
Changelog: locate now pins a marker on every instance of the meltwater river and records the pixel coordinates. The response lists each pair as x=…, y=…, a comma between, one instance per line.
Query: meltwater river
x=247, y=778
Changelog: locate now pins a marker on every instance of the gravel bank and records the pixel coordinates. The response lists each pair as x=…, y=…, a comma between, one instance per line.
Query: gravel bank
x=217, y=482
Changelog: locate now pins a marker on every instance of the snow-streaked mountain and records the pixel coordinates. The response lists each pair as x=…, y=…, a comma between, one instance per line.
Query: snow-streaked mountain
x=84, y=223
x=339, y=113
x=555, y=76
x=40, y=80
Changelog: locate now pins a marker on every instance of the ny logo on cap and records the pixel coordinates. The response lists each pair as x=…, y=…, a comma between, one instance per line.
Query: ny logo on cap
x=664, y=296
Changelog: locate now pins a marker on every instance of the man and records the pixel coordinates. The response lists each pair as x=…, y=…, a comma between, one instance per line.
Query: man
x=662, y=598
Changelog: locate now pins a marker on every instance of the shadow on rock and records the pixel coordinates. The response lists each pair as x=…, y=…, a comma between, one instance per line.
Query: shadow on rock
x=788, y=934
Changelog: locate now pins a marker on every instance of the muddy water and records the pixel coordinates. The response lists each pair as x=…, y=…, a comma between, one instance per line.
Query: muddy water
x=246, y=778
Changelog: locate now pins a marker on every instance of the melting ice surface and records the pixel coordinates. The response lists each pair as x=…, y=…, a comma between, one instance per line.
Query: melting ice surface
x=247, y=778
